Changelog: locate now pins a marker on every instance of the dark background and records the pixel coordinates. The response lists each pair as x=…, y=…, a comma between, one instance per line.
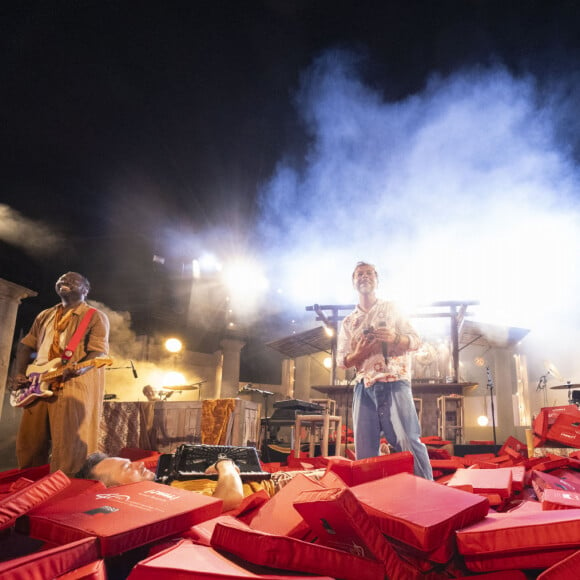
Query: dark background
x=129, y=125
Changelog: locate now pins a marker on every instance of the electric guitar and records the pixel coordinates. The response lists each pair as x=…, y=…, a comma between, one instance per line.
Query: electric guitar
x=41, y=376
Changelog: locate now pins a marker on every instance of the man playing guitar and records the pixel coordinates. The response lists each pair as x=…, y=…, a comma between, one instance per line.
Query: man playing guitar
x=63, y=427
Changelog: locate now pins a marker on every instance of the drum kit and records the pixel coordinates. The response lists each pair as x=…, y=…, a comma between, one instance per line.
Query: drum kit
x=573, y=395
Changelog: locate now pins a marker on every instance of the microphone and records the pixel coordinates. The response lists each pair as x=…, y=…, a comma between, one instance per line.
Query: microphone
x=133, y=369
x=384, y=346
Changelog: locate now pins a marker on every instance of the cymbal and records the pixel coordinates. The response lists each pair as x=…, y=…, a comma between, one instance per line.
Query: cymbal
x=568, y=386
x=552, y=370
x=193, y=387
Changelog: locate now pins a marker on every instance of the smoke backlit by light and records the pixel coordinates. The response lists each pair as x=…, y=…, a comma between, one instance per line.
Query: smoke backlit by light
x=462, y=191
x=246, y=284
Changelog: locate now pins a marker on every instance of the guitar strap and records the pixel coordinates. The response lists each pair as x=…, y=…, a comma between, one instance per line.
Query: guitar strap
x=76, y=337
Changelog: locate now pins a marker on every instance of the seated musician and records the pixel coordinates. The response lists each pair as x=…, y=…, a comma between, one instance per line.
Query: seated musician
x=113, y=471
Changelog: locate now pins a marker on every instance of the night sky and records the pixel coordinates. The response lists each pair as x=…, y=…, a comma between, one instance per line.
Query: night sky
x=134, y=129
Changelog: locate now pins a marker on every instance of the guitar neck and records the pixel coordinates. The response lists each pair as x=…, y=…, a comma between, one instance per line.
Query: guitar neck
x=49, y=376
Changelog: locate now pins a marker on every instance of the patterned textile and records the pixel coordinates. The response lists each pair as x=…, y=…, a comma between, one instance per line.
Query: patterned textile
x=207, y=486
x=215, y=419
x=376, y=367
x=280, y=478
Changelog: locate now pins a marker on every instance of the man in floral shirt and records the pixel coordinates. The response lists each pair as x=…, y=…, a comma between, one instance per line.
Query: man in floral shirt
x=377, y=340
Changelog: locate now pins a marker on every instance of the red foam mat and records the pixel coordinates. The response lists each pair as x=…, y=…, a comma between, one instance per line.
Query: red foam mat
x=94, y=571
x=522, y=530
x=292, y=554
x=542, y=481
x=535, y=560
x=278, y=515
x=188, y=561
x=566, y=569
x=32, y=473
x=418, y=512
x=52, y=562
x=339, y=521
x=485, y=480
x=123, y=517
x=559, y=499
x=503, y=575
x=201, y=533
x=365, y=470
x=30, y=496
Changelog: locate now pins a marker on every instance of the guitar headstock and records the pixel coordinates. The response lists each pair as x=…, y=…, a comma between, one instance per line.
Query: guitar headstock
x=101, y=361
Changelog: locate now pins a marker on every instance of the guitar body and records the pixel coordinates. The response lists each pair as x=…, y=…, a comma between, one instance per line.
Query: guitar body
x=41, y=376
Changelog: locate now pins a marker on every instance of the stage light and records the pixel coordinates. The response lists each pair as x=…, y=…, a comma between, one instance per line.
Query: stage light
x=483, y=420
x=245, y=284
x=173, y=345
x=173, y=379
x=196, y=269
x=209, y=263
x=327, y=362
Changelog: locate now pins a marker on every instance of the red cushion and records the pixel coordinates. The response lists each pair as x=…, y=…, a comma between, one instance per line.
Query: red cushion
x=559, y=499
x=536, y=559
x=123, y=517
x=566, y=569
x=33, y=473
x=30, y=496
x=514, y=445
x=551, y=462
x=451, y=464
x=186, y=560
x=332, y=480
x=501, y=575
x=497, y=481
x=278, y=515
x=521, y=530
x=93, y=571
x=547, y=417
x=542, y=481
x=372, y=468
x=292, y=554
x=339, y=521
x=51, y=562
x=421, y=513
x=566, y=429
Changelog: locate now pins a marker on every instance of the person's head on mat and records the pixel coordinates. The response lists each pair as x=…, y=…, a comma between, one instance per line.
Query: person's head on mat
x=114, y=470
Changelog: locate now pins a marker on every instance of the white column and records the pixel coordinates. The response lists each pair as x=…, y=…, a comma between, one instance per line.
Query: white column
x=303, y=379
x=288, y=367
x=10, y=297
x=230, y=384
x=219, y=371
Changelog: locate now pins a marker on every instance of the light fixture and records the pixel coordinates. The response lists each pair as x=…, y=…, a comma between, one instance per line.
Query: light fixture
x=327, y=362
x=173, y=345
x=483, y=420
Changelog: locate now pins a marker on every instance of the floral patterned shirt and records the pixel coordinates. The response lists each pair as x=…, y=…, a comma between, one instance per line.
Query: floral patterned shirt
x=375, y=368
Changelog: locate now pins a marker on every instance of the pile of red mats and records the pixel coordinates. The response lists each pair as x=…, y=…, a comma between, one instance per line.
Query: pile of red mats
x=489, y=516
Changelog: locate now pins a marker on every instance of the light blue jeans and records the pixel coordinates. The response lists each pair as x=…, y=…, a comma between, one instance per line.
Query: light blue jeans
x=388, y=408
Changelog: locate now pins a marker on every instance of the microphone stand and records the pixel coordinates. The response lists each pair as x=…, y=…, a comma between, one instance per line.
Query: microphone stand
x=542, y=384
x=490, y=387
x=265, y=420
x=265, y=394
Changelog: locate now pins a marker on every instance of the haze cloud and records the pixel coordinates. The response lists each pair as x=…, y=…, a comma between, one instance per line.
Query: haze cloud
x=463, y=191
x=32, y=236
